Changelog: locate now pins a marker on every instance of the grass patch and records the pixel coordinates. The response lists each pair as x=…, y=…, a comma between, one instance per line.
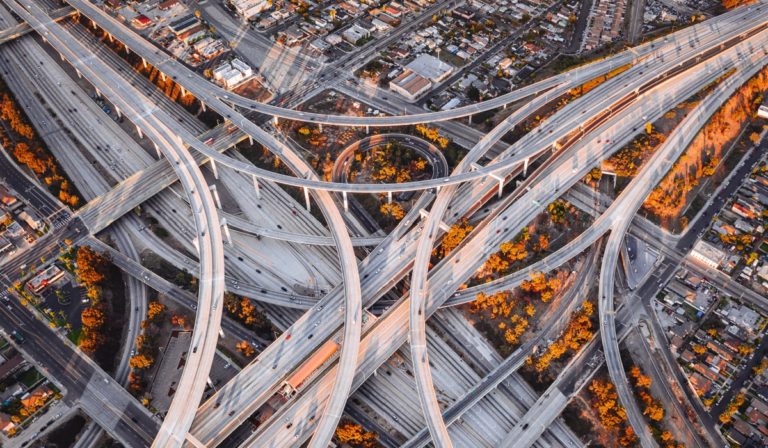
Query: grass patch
x=30, y=378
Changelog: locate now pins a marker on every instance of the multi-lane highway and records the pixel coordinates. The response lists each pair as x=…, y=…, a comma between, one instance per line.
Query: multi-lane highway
x=210, y=245
x=582, y=134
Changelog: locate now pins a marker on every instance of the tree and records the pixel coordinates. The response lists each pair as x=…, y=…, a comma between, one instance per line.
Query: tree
x=155, y=311
x=353, y=434
x=641, y=381
x=557, y=211
x=730, y=4
x=245, y=348
x=140, y=361
x=393, y=210
x=543, y=244
x=453, y=237
x=178, y=321
x=473, y=93
x=90, y=266
x=92, y=318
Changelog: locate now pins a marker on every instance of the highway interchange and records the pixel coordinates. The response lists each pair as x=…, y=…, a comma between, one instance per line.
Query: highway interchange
x=660, y=77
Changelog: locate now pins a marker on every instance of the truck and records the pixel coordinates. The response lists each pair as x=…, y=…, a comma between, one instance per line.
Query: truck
x=315, y=362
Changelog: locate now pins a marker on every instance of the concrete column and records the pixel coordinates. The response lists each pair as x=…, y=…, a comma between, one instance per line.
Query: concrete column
x=202, y=106
x=321, y=127
x=98, y=93
x=346, y=203
x=250, y=139
x=274, y=120
x=93, y=24
x=119, y=114
x=159, y=154
x=389, y=197
x=470, y=119
x=79, y=75
x=501, y=182
x=144, y=62
x=215, y=194
x=127, y=50
x=228, y=236
x=256, y=186
x=525, y=167
x=367, y=129
x=61, y=56
x=111, y=39
x=213, y=168
x=141, y=134
x=306, y=198
x=505, y=106
x=183, y=91
x=162, y=76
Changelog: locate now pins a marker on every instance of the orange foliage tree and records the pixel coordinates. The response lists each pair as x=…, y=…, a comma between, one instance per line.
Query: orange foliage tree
x=352, y=434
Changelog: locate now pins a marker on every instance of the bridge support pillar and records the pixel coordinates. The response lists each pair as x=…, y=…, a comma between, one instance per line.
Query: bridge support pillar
x=98, y=93
x=162, y=76
x=109, y=36
x=346, y=202
x=127, y=50
x=501, y=182
x=144, y=62
x=183, y=91
x=61, y=56
x=505, y=106
x=256, y=186
x=443, y=226
x=141, y=134
x=470, y=119
x=215, y=194
x=159, y=154
x=275, y=120
x=525, y=168
x=93, y=24
x=228, y=236
x=202, y=106
x=215, y=171
x=389, y=197
x=79, y=75
x=306, y=198
x=367, y=129
x=321, y=127
x=117, y=111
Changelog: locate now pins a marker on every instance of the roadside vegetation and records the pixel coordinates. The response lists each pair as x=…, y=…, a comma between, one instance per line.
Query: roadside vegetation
x=26, y=147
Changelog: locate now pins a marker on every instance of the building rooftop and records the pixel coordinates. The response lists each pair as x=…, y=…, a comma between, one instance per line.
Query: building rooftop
x=430, y=67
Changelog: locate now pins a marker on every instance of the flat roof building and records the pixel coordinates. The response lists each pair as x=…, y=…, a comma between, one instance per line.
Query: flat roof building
x=410, y=84
x=430, y=67
x=707, y=254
